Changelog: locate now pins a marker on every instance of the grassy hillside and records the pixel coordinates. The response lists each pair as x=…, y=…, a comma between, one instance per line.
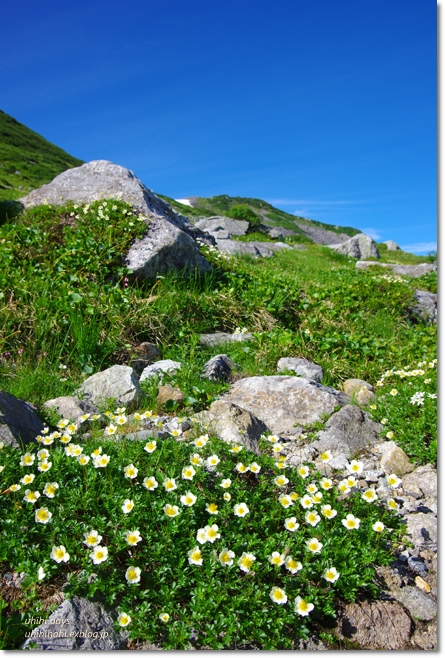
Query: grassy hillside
x=27, y=160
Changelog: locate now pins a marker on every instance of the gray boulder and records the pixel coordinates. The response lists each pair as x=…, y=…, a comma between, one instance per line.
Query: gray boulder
x=235, y=248
x=391, y=245
x=170, y=241
x=118, y=383
x=347, y=432
x=353, y=386
x=359, y=246
x=19, y=422
x=70, y=407
x=421, y=528
x=425, y=309
x=77, y=624
x=221, y=338
x=415, y=271
x=283, y=402
x=160, y=368
x=377, y=625
x=221, y=223
x=422, y=482
x=218, y=368
x=420, y=605
x=302, y=367
x=233, y=424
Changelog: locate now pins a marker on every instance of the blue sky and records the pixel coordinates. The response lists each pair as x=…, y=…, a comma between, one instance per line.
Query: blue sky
x=325, y=109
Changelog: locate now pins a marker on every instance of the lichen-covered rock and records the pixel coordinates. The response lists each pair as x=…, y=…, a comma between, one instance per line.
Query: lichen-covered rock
x=220, y=368
x=423, y=481
x=347, y=432
x=359, y=246
x=118, y=383
x=422, y=529
x=160, y=368
x=70, y=407
x=353, y=386
x=19, y=422
x=415, y=271
x=283, y=402
x=168, y=392
x=233, y=424
x=302, y=367
x=170, y=240
x=77, y=624
x=425, y=309
x=376, y=625
x=394, y=459
x=418, y=603
x=221, y=223
x=255, y=249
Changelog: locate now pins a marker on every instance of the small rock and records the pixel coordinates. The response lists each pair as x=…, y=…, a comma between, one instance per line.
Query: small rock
x=425, y=309
x=394, y=459
x=391, y=245
x=422, y=529
x=347, y=432
x=359, y=246
x=144, y=355
x=301, y=367
x=423, y=479
x=168, y=392
x=220, y=338
x=71, y=407
x=353, y=386
x=425, y=638
x=421, y=584
x=420, y=605
x=365, y=397
x=159, y=368
x=118, y=383
x=376, y=625
x=218, y=368
x=417, y=565
x=19, y=422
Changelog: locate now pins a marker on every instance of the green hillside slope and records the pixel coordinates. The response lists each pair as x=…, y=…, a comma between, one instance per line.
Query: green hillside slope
x=27, y=160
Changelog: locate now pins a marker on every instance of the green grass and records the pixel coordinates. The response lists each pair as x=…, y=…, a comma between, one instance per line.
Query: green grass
x=27, y=160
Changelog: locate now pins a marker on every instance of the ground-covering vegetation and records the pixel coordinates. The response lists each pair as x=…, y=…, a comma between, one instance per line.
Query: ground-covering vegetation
x=69, y=307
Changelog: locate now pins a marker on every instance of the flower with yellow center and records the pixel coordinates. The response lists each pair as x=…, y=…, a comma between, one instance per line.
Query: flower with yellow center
x=281, y=465
x=331, y=575
x=246, y=561
x=373, y=407
x=227, y=496
x=48, y=440
x=92, y=538
x=150, y=446
x=302, y=607
x=123, y=619
x=317, y=498
x=351, y=522
x=99, y=554
x=59, y=554
x=306, y=502
x=133, y=537
x=63, y=423
x=171, y=510
x=343, y=487
x=27, y=479
x=328, y=512
x=312, y=518
x=312, y=488
x=201, y=441
x=201, y=536
x=236, y=449
x=212, y=533
x=285, y=500
x=127, y=506
x=150, y=483
x=276, y=559
x=241, y=468
x=196, y=460
x=31, y=496
x=120, y=410
x=147, y=414
x=130, y=471
x=42, y=515
x=164, y=617
x=277, y=447
x=95, y=416
x=170, y=484
x=44, y=466
x=303, y=471
x=133, y=575
x=159, y=424
x=291, y=524
x=313, y=545
x=176, y=432
x=226, y=557
x=326, y=484
x=71, y=428
x=293, y=565
x=195, y=556
x=281, y=480
x=96, y=452
x=27, y=459
x=45, y=430
x=392, y=504
x=83, y=460
x=326, y=456
x=212, y=508
x=241, y=510
x=188, y=499
x=278, y=595
x=393, y=391
x=393, y=480
x=351, y=481
x=355, y=467
x=14, y=487
x=369, y=495
x=384, y=421
x=273, y=438
x=101, y=461
x=225, y=484
x=293, y=495
x=254, y=467
x=84, y=417
x=110, y=430
x=378, y=526
x=43, y=454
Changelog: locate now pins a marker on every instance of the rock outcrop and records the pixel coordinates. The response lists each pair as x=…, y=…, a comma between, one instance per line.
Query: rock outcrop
x=301, y=367
x=118, y=383
x=170, y=241
x=391, y=245
x=359, y=246
x=405, y=270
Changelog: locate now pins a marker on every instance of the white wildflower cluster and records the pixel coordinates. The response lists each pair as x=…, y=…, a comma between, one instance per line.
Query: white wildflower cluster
x=418, y=398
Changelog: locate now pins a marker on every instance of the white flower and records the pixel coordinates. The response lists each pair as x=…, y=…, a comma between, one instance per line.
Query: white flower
x=99, y=554
x=328, y=512
x=241, y=510
x=285, y=500
x=42, y=515
x=31, y=496
x=150, y=483
x=313, y=545
x=317, y=498
x=331, y=575
x=326, y=484
x=281, y=480
x=100, y=461
x=130, y=471
x=393, y=480
x=226, y=557
x=133, y=537
x=225, y=484
x=254, y=467
x=393, y=391
x=127, y=506
x=351, y=522
x=43, y=454
x=188, y=499
x=92, y=538
x=195, y=556
x=306, y=502
x=291, y=524
x=110, y=430
x=164, y=617
x=302, y=607
x=326, y=456
x=355, y=467
x=241, y=468
x=213, y=460
x=188, y=472
x=227, y=496
x=170, y=484
x=59, y=554
x=278, y=595
x=171, y=510
x=44, y=466
x=150, y=446
x=246, y=561
x=276, y=559
x=41, y=573
x=133, y=575
x=378, y=526
x=196, y=460
x=28, y=478
x=201, y=536
x=293, y=565
x=303, y=471
x=369, y=495
x=123, y=619
x=212, y=508
x=312, y=518
x=212, y=533
x=27, y=459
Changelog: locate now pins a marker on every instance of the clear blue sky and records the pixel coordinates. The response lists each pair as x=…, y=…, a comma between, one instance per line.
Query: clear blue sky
x=325, y=108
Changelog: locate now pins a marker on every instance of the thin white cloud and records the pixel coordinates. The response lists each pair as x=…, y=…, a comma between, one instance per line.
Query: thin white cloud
x=420, y=247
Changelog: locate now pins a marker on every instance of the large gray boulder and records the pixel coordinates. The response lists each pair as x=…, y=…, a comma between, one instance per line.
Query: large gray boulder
x=391, y=245
x=347, y=432
x=70, y=407
x=284, y=402
x=170, y=241
x=220, y=223
x=415, y=271
x=359, y=246
x=77, y=624
x=19, y=422
x=118, y=383
x=254, y=248
x=425, y=308
x=301, y=367
x=233, y=424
